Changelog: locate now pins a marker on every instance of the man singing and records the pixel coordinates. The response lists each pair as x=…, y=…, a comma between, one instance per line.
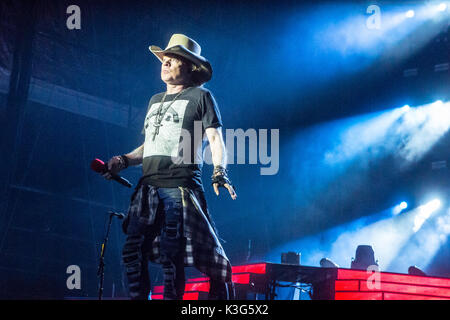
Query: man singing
x=168, y=220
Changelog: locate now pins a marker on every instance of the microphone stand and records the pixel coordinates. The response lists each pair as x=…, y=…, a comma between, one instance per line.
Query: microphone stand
x=101, y=266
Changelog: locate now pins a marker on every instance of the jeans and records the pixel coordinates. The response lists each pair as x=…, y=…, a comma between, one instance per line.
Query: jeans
x=172, y=243
x=172, y=247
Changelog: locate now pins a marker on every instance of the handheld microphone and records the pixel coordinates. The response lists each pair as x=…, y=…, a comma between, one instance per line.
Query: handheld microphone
x=100, y=167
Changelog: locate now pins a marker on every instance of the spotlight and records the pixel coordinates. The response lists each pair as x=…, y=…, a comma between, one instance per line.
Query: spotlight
x=442, y=7
x=409, y=14
x=415, y=271
x=406, y=108
x=425, y=212
x=364, y=258
x=327, y=263
x=400, y=207
x=291, y=257
x=433, y=205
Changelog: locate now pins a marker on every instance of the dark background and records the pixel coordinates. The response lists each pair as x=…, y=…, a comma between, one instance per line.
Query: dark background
x=69, y=96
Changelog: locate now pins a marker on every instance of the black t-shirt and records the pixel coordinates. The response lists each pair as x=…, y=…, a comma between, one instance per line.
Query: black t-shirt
x=174, y=156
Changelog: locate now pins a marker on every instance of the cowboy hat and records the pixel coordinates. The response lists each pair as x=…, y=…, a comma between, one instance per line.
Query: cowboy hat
x=187, y=48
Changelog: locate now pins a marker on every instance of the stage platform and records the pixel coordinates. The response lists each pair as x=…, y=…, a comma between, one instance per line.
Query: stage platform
x=262, y=280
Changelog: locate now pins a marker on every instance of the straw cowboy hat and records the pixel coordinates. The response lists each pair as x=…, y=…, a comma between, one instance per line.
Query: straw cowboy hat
x=188, y=48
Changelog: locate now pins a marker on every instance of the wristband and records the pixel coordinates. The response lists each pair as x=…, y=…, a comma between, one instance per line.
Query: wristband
x=123, y=162
x=220, y=176
x=219, y=169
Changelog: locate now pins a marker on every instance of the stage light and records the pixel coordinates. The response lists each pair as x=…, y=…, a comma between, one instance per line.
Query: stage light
x=291, y=257
x=406, y=108
x=400, y=207
x=415, y=271
x=425, y=212
x=327, y=263
x=364, y=258
x=442, y=7
x=434, y=205
x=409, y=14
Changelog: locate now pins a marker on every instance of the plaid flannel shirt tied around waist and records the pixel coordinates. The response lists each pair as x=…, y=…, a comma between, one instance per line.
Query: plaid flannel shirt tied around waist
x=203, y=249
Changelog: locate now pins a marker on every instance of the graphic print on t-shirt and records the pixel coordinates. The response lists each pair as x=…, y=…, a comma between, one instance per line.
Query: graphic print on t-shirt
x=166, y=142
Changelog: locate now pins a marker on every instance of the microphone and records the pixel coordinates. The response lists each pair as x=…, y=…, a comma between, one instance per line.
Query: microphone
x=100, y=167
x=119, y=215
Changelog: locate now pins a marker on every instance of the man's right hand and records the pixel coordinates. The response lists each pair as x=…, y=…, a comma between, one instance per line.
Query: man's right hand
x=114, y=166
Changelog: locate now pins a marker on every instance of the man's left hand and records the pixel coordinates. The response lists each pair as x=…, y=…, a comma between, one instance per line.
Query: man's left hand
x=229, y=188
x=220, y=179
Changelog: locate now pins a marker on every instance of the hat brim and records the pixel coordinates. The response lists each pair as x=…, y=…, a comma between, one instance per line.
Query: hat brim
x=202, y=62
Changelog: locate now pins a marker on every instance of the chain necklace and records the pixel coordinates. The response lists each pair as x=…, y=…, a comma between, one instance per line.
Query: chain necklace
x=161, y=111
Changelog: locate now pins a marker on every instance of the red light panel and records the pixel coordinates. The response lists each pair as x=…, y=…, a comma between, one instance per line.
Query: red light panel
x=394, y=277
x=349, y=285
x=346, y=285
x=241, y=278
x=391, y=286
x=353, y=274
x=418, y=280
x=190, y=296
x=198, y=279
x=158, y=289
x=202, y=286
x=358, y=296
x=399, y=296
x=406, y=288
x=259, y=268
